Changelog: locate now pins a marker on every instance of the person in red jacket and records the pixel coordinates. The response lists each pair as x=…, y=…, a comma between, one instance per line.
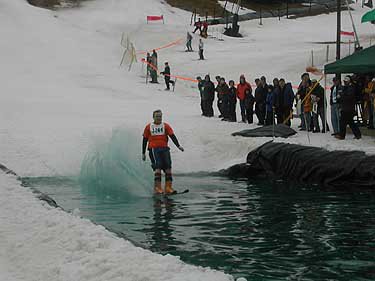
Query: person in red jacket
x=241, y=89
x=156, y=135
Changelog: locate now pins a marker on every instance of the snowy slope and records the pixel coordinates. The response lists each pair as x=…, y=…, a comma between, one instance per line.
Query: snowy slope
x=62, y=90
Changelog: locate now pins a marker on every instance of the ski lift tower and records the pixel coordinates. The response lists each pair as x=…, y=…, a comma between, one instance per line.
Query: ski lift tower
x=233, y=31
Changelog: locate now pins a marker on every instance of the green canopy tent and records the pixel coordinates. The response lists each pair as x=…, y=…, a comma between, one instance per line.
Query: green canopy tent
x=360, y=62
x=369, y=16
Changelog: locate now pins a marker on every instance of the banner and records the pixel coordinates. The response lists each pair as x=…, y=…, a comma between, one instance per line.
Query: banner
x=347, y=33
x=155, y=18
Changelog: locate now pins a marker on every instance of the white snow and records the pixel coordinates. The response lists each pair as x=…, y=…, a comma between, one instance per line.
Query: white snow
x=62, y=89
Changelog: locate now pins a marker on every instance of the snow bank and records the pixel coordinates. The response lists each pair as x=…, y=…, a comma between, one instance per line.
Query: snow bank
x=39, y=242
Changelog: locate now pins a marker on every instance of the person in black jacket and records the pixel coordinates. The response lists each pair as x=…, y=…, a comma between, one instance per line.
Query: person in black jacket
x=260, y=102
x=232, y=101
x=317, y=96
x=286, y=101
x=219, y=97
x=347, y=102
x=208, y=96
x=222, y=96
x=336, y=90
x=167, y=76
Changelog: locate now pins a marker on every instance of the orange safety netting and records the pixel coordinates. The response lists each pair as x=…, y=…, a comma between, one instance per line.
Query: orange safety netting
x=177, y=42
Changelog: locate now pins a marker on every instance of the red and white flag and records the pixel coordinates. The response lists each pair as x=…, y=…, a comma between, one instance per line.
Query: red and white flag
x=347, y=33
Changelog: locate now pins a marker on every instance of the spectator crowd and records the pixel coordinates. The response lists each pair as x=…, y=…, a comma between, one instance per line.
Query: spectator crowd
x=352, y=102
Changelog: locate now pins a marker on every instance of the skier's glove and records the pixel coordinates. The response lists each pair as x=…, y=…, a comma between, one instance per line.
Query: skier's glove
x=181, y=148
x=143, y=157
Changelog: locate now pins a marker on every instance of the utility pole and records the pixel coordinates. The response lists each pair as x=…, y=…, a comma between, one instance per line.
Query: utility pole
x=338, y=35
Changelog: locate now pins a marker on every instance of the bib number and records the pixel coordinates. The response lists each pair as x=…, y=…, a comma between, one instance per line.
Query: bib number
x=157, y=130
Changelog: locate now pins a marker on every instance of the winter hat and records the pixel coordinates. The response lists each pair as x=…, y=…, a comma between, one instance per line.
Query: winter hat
x=314, y=80
x=347, y=79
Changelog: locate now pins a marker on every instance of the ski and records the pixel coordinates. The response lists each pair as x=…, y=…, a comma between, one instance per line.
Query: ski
x=172, y=194
x=177, y=193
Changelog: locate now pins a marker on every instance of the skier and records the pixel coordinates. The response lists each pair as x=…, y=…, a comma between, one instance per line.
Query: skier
x=198, y=26
x=189, y=38
x=167, y=76
x=156, y=135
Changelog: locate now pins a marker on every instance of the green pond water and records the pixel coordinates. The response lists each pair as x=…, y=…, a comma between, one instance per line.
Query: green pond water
x=257, y=230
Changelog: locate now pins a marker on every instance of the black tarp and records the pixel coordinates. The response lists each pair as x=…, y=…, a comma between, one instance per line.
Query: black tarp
x=314, y=165
x=280, y=131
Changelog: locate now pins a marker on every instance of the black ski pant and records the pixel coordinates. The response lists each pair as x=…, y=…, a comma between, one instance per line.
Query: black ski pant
x=260, y=111
x=168, y=81
x=346, y=118
x=316, y=116
x=201, y=57
x=232, y=112
x=269, y=118
x=208, y=108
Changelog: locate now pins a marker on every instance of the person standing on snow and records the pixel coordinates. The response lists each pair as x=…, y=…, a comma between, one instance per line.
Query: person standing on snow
x=208, y=96
x=222, y=99
x=154, y=67
x=156, y=136
x=241, y=88
x=347, y=101
x=249, y=105
x=148, y=60
x=201, y=88
x=167, y=76
x=318, y=98
x=287, y=94
x=260, y=102
x=189, y=38
x=232, y=101
x=300, y=96
x=270, y=110
x=336, y=90
x=201, y=57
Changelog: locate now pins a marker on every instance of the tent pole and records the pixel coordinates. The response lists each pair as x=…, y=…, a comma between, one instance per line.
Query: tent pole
x=338, y=35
